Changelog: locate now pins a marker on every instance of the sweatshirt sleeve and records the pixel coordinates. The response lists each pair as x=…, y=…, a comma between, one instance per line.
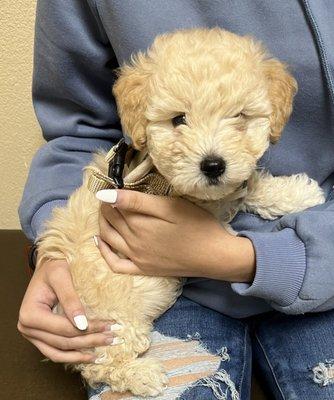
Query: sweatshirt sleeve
x=295, y=262
x=73, y=102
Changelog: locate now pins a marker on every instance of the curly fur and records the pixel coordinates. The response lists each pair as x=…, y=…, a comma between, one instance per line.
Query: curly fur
x=236, y=100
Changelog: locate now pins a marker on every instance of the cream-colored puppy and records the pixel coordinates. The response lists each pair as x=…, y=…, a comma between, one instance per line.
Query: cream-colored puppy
x=204, y=104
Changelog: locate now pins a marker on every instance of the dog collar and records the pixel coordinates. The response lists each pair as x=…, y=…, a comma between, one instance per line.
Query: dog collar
x=129, y=169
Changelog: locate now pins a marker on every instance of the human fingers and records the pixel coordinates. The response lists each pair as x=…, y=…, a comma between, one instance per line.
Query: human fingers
x=39, y=299
x=110, y=235
x=117, y=264
x=59, y=356
x=60, y=280
x=71, y=343
x=161, y=207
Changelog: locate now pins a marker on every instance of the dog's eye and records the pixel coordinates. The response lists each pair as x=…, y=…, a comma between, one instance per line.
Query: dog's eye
x=240, y=114
x=179, y=120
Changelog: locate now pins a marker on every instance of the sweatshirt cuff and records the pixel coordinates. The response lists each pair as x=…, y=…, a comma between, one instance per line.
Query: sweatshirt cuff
x=42, y=215
x=280, y=267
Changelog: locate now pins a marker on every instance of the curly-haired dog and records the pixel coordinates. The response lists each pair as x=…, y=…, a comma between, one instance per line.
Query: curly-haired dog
x=204, y=104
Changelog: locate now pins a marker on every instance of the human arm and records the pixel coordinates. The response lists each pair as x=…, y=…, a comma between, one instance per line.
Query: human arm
x=74, y=106
x=294, y=260
x=293, y=268
x=73, y=103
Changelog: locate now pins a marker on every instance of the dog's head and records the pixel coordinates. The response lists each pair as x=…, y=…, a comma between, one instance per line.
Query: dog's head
x=206, y=103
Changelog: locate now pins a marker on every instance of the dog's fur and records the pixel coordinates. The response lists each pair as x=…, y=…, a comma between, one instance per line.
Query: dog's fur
x=236, y=100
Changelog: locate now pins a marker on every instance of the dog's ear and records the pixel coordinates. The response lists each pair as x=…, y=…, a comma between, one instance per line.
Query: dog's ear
x=281, y=87
x=131, y=94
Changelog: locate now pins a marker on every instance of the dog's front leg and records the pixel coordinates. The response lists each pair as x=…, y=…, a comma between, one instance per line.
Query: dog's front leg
x=272, y=197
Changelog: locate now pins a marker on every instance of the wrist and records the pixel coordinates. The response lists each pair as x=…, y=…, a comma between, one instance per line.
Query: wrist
x=235, y=259
x=244, y=260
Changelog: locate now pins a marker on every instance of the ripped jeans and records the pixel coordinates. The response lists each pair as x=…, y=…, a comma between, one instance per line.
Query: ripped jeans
x=209, y=356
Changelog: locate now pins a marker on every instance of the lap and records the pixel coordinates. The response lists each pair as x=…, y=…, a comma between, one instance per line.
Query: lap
x=295, y=353
x=205, y=354
x=221, y=336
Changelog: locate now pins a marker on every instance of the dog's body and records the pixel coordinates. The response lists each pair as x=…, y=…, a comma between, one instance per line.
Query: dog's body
x=207, y=148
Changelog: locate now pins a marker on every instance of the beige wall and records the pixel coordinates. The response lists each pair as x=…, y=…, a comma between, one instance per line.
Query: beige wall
x=20, y=135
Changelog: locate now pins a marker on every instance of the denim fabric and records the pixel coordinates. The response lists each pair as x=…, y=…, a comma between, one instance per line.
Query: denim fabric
x=283, y=348
x=287, y=348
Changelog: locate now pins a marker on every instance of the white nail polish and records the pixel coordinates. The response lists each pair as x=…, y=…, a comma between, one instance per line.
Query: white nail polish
x=96, y=241
x=81, y=322
x=102, y=359
x=117, y=340
x=115, y=327
x=107, y=195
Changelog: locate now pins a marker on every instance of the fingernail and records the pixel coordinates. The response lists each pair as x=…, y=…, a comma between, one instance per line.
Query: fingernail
x=101, y=360
x=81, y=322
x=96, y=241
x=114, y=341
x=107, y=195
x=115, y=327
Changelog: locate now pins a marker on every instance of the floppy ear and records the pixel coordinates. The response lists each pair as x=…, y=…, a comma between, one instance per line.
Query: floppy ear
x=131, y=94
x=281, y=87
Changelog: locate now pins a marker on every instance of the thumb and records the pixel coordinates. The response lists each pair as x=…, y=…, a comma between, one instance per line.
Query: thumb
x=61, y=282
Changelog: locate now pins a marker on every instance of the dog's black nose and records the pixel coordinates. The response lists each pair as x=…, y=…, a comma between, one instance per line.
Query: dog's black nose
x=213, y=166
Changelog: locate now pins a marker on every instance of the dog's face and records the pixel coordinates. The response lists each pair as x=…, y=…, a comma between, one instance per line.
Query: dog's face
x=206, y=103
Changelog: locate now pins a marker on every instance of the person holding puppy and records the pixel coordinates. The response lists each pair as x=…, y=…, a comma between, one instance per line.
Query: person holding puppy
x=263, y=293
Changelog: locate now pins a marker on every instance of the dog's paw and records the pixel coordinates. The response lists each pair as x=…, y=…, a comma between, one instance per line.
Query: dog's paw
x=273, y=197
x=146, y=377
x=304, y=192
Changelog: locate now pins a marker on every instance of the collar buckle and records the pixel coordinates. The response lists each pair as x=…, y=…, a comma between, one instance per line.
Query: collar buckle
x=116, y=160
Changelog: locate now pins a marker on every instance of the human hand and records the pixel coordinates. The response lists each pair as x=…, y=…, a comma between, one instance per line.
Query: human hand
x=60, y=338
x=164, y=236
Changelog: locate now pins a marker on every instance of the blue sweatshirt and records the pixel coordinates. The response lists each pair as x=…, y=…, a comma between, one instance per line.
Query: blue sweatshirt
x=77, y=45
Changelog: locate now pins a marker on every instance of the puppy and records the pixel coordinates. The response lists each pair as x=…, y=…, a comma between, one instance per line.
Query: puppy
x=203, y=106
